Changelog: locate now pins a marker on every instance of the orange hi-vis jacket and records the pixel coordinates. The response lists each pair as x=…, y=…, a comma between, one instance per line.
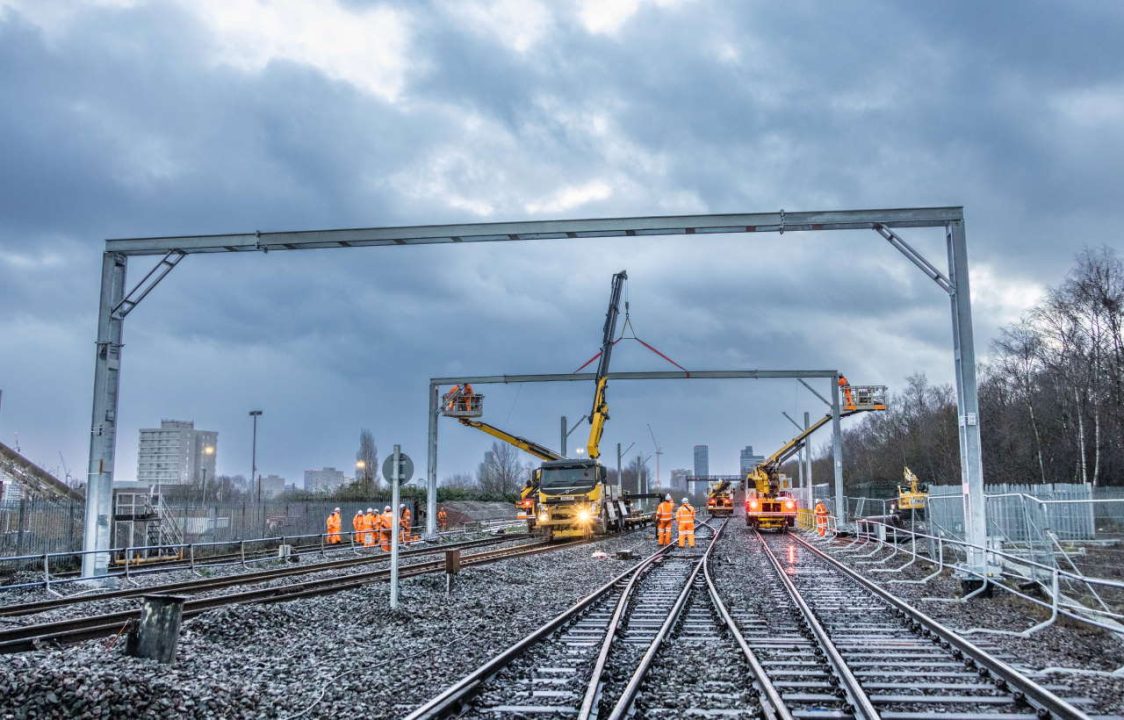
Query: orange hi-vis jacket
x=685, y=515
x=333, y=527
x=358, y=524
x=385, y=523
x=371, y=525
x=664, y=512
x=442, y=518
x=406, y=519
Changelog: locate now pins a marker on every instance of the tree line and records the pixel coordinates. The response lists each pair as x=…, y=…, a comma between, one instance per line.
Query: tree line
x=1051, y=399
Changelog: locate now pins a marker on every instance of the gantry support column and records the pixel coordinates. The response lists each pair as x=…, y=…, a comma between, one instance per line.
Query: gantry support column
x=97, y=534
x=837, y=454
x=967, y=398
x=431, y=466
x=808, y=459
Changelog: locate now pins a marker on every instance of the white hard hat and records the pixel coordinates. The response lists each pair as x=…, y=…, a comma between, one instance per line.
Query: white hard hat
x=386, y=509
x=667, y=497
x=402, y=506
x=336, y=510
x=685, y=501
x=370, y=509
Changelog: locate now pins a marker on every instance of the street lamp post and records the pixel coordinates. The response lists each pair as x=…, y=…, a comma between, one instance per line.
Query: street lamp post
x=361, y=466
x=255, y=414
x=207, y=452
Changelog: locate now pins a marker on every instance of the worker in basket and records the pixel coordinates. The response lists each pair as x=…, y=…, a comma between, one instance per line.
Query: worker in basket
x=333, y=525
x=386, y=527
x=821, y=518
x=685, y=517
x=468, y=396
x=451, y=397
x=848, y=395
x=664, y=514
x=442, y=519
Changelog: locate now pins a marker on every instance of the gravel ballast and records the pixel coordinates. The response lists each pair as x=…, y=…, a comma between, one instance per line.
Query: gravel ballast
x=319, y=657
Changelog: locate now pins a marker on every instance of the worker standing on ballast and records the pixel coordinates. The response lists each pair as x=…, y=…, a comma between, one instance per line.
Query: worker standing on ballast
x=821, y=518
x=358, y=525
x=371, y=525
x=442, y=519
x=404, y=520
x=386, y=527
x=665, y=512
x=685, y=518
x=333, y=525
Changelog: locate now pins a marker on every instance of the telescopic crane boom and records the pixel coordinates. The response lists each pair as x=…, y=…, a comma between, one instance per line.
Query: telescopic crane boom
x=600, y=412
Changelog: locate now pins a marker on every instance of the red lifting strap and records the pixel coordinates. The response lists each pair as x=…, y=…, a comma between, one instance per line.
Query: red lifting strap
x=657, y=352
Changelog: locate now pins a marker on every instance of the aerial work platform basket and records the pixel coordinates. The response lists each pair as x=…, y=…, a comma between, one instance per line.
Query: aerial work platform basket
x=457, y=403
x=864, y=397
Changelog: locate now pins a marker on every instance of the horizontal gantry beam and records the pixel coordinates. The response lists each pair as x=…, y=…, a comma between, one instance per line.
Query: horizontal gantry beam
x=656, y=375
x=541, y=230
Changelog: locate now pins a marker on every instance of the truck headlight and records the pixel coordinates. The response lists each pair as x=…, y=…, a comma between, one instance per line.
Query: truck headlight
x=583, y=516
x=543, y=517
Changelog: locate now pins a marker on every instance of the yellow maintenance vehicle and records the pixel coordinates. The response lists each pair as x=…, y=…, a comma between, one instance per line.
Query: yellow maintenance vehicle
x=574, y=499
x=769, y=502
x=720, y=498
x=913, y=496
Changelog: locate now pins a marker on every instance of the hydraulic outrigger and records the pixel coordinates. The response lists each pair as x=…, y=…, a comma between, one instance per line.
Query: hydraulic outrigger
x=769, y=503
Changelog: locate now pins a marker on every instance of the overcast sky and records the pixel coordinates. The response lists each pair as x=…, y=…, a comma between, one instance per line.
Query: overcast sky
x=123, y=118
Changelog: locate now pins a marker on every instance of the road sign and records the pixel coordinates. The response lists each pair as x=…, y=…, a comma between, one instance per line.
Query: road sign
x=405, y=468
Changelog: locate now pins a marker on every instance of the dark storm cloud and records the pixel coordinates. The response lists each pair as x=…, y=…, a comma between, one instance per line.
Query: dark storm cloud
x=123, y=122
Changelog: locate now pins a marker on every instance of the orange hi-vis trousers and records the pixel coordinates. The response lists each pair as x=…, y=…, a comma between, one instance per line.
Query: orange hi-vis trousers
x=663, y=534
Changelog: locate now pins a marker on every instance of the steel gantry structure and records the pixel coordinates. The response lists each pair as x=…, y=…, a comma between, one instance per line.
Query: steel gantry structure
x=117, y=302
x=435, y=385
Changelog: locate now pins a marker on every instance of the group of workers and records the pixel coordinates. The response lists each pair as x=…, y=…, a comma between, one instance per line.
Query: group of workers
x=684, y=518
x=371, y=528
x=460, y=398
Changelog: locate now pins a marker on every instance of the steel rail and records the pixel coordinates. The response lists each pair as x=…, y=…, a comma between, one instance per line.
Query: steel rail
x=761, y=679
x=624, y=703
x=594, y=685
x=452, y=698
x=1038, y=696
x=227, y=581
x=860, y=702
x=30, y=637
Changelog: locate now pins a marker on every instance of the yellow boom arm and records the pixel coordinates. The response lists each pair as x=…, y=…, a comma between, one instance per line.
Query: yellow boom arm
x=528, y=446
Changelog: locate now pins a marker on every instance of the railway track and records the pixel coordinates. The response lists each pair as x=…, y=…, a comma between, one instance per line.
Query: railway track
x=207, y=584
x=591, y=659
x=787, y=632
x=837, y=645
x=34, y=636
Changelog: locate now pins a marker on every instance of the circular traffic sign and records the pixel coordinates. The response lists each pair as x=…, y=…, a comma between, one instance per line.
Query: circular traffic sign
x=405, y=468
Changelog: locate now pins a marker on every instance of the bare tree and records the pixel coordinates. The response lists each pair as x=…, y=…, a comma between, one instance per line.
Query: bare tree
x=501, y=473
x=367, y=462
x=460, y=481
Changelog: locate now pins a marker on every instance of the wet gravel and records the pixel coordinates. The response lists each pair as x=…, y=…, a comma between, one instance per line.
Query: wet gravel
x=1066, y=644
x=318, y=657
